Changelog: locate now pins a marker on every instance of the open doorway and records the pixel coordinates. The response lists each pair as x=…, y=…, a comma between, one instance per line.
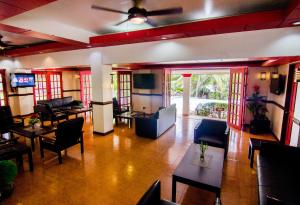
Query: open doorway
x=208, y=95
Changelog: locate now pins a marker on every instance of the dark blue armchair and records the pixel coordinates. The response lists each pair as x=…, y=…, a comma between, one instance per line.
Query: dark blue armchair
x=212, y=132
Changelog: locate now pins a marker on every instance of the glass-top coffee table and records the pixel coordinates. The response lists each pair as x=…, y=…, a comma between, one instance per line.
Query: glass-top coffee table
x=207, y=176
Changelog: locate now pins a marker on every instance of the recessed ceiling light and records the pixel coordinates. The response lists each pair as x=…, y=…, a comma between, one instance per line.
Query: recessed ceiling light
x=297, y=23
x=89, y=46
x=41, y=52
x=164, y=38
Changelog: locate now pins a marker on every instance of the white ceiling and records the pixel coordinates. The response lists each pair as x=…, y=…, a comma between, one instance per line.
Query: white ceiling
x=74, y=19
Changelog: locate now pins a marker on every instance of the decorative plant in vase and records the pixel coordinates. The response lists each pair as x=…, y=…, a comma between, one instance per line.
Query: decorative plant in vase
x=203, y=148
x=34, y=118
x=256, y=104
x=8, y=170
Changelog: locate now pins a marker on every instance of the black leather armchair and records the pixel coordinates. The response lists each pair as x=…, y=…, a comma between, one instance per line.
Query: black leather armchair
x=212, y=132
x=152, y=196
x=68, y=134
x=7, y=121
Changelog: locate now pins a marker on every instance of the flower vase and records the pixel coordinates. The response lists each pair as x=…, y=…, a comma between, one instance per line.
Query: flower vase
x=202, y=156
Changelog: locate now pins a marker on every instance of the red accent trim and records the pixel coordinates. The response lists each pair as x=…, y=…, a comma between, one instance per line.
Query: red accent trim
x=11, y=8
x=187, y=75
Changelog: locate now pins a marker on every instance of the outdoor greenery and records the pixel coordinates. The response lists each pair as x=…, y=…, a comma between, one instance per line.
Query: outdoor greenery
x=205, y=86
x=208, y=87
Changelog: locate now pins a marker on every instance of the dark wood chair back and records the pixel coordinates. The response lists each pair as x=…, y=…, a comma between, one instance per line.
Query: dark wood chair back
x=69, y=133
x=6, y=119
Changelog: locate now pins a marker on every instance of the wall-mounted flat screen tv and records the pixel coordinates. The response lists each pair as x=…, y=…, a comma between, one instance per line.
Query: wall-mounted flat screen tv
x=22, y=80
x=144, y=81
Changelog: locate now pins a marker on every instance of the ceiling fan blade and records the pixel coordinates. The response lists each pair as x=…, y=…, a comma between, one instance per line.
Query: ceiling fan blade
x=170, y=11
x=151, y=22
x=108, y=9
x=121, y=22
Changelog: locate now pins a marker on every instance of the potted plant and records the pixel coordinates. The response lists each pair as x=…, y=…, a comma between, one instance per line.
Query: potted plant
x=34, y=118
x=8, y=170
x=256, y=104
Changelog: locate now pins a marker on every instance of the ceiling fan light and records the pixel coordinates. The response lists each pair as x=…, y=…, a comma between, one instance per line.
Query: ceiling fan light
x=138, y=20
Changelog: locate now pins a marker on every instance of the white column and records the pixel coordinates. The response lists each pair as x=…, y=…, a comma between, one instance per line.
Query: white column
x=102, y=95
x=186, y=94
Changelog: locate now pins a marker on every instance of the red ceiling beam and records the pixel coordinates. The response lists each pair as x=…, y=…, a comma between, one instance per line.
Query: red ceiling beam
x=42, y=48
x=281, y=61
x=9, y=8
x=187, y=66
x=39, y=35
x=245, y=22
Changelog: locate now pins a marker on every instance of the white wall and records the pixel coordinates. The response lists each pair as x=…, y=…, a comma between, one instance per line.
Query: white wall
x=275, y=114
x=71, y=82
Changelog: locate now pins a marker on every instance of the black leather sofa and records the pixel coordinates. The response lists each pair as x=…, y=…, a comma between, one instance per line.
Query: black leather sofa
x=212, y=132
x=153, y=196
x=155, y=125
x=55, y=109
x=278, y=172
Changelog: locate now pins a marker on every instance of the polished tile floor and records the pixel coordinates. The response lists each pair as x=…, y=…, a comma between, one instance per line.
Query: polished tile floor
x=118, y=168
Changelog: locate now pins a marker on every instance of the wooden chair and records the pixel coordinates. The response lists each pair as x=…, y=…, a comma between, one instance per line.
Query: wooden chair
x=68, y=134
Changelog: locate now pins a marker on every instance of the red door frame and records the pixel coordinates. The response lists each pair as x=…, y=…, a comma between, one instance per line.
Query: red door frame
x=119, y=89
x=48, y=83
x=82, y=73
x=291, y=108
x=232, y=97
x=3, y=74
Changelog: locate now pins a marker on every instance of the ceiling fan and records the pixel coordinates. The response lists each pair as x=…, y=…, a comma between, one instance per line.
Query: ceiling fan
x=138, y=15
x=4, y=45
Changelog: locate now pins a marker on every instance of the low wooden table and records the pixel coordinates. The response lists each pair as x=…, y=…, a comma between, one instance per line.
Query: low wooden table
x=254, y=144
x=191, y=172
x=32, y=133
x=78, y=111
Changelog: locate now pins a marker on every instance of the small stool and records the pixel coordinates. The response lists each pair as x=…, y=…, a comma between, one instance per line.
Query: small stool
x=254, y=144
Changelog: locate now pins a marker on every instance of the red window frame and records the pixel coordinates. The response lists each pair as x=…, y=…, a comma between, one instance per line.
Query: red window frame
x=86, y=87
x=49, y=84
x=125, y=89
x=3, y=90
